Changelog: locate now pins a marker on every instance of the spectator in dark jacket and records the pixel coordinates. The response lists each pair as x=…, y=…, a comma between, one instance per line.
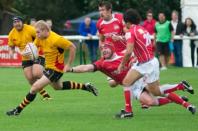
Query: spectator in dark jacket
x=178, y=30
x=88, y=28
x=190, y=30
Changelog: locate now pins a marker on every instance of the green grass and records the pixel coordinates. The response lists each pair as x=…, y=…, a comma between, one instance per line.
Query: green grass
x=81, y=111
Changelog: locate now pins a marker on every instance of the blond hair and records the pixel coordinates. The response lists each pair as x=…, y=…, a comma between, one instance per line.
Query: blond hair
x=42, y=25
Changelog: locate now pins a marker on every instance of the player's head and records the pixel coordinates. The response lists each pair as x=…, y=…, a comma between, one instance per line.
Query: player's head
x=18, y=22
x=131, y=16
x=105, y=10
x=42, y=29
x=107, y=49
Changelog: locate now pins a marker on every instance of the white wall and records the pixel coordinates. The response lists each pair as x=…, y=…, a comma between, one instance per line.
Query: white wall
x=189, y=8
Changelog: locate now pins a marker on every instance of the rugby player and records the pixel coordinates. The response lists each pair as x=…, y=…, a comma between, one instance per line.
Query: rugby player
x=54, y=47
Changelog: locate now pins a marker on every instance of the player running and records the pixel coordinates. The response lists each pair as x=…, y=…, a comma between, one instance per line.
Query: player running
x=139, y=43
x=19, y=36
x=54, y=47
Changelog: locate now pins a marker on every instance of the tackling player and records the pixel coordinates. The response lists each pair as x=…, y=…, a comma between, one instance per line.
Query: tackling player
x=19, y=36
x=139, y=43
x=108, y=65
x=54, y=47
x=110, y=27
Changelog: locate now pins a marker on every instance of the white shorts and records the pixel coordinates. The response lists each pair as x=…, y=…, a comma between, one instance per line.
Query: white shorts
x=150, y=70
x=137, y=88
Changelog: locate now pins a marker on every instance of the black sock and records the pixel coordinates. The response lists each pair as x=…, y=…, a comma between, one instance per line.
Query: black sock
x=29, y=98
x=67, y=85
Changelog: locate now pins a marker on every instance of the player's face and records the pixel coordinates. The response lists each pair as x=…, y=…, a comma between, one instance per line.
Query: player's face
x=18, y=25
x=104, y=13
x=106, y=52
x=41, y=34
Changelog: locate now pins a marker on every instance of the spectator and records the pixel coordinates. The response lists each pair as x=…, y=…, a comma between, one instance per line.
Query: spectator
x=178, y=30
x=88, y=28
x=163, y=35
x=190, y=30
x=149, y=23
x=49, y=23
x=32, y=21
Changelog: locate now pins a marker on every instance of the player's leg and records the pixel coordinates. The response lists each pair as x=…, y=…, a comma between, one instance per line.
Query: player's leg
x=130, y=79
x=37, y=71
x=36, y=87
x=71, y=85
x=166, y=90
x=57, y=84
x=27, y=70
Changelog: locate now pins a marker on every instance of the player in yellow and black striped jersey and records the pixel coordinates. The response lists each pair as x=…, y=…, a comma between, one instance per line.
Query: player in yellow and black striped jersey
x=19, y=36
x=54, y=47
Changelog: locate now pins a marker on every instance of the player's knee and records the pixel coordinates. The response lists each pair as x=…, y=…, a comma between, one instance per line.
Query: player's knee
x=37, y=74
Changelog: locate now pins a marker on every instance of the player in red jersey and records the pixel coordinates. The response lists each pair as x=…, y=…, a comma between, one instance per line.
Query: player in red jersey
x=108, y=65
x=139, y=43
x=110, y=26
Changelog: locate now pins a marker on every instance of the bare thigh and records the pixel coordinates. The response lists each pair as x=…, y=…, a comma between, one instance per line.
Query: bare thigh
x=154, y=88
x=37, y=71
x=28, y=74
x=131, y=77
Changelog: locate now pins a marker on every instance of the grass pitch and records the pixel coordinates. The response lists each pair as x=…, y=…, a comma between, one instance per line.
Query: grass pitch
x=78, y=110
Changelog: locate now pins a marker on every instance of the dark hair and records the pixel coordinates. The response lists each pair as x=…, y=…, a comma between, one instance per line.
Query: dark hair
x=17, y=18
x=106, y=4
x=193, y=26
x=149, y=11
x=132, y=16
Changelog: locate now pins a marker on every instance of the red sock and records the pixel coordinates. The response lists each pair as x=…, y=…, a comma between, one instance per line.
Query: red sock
x=127, y=95
x=178, y=87
x=163, y=101
x=175, y=98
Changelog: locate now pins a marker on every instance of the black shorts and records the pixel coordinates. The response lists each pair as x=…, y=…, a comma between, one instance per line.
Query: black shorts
x=52, y=75
x=27, y=63
x=40, y=61
x=163, y=48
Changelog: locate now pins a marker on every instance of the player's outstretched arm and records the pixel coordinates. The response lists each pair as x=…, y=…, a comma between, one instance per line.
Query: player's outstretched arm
x=82, y=68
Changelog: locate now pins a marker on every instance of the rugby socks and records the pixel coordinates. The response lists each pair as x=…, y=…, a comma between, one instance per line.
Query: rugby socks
x=69, y=85
x=44, y=93
x=175, y=98
x=29, y=98
x=163, y=101
x=127, y=95
x=171, y=88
